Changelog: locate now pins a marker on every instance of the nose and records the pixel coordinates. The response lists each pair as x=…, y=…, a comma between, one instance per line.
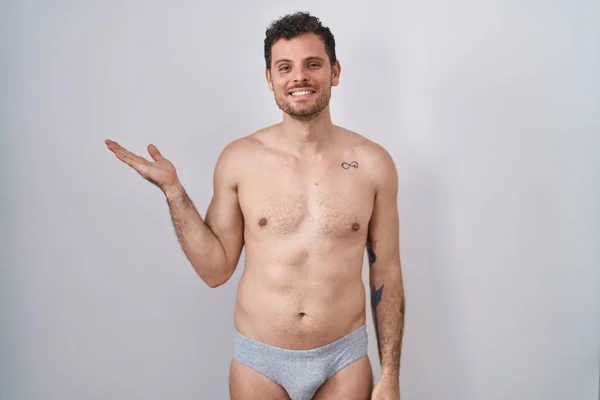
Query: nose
x=300, y=75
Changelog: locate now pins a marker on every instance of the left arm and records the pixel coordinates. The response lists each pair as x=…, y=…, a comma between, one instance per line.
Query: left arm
x=385, y=277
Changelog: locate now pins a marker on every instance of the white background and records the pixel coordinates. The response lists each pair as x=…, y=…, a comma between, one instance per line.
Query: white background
x=490, y=110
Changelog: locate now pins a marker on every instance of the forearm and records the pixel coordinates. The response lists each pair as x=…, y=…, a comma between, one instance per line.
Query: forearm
x=199, y=244
x=387, y=302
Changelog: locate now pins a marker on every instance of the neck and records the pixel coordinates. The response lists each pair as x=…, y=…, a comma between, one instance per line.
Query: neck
x=308, y=137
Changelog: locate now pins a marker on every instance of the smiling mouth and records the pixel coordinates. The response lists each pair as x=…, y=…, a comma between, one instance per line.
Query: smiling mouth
x=301, y=93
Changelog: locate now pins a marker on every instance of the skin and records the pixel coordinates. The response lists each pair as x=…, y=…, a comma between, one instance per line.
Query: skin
x=314, y=197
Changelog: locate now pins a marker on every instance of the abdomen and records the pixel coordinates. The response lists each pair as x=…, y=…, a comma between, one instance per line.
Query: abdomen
x=299, y=295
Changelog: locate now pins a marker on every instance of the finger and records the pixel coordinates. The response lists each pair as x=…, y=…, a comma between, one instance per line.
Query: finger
x=140, y=164
x=154, y=153
x=114, y=146
x=118, y=149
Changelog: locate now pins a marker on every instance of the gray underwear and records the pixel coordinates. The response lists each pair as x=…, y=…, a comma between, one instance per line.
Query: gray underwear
x=301, y=372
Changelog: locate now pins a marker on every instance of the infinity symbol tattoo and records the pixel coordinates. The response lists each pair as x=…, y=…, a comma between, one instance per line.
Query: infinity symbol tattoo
x=353, y=164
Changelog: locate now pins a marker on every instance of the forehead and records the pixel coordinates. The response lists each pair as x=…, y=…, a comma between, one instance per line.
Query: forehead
x=298, y=48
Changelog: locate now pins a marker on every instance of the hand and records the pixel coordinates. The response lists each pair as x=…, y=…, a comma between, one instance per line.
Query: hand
x=161, y=172
x=387, y=388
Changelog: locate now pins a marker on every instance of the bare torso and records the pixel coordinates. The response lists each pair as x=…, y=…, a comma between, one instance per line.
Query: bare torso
x=306, y=224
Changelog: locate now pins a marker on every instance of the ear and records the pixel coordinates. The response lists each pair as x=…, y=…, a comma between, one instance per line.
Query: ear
x=269, y=79
x=336, y=71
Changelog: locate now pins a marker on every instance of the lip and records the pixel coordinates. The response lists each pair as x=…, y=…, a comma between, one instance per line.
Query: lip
x=304, y=96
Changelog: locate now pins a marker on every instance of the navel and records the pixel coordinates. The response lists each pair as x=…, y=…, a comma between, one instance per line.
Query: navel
x=262, y=222
x=355, y=226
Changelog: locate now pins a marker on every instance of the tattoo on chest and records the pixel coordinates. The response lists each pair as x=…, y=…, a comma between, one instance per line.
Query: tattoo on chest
x=346, y=165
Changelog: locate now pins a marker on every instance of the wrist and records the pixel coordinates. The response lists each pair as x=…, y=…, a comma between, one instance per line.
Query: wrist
x=390, y=373
x=174, y=191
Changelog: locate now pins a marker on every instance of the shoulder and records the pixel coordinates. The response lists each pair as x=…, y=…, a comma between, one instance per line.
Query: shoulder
x=235, y=157
x=374, y=159
x=237, y=151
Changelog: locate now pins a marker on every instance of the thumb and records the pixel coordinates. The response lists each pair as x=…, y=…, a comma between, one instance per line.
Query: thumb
x=154, y=153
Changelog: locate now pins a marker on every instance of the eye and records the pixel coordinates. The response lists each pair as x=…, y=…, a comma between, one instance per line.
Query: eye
x=313, y=65
x=284, y=67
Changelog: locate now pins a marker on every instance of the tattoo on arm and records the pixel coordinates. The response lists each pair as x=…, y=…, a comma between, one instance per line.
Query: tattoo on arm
x=388, y=312
x=371, y=252
x=376, y=294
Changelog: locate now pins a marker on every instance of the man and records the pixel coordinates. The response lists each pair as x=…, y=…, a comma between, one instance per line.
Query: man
x=305, y=197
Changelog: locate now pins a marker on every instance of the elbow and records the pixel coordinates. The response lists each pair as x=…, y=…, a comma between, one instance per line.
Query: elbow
x=218, y=278
x=217, y=281
x=214, y=281
x=213, y=269
x=213, y=284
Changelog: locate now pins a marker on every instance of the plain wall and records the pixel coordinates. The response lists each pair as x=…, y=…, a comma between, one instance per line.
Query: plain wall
x=490, y=110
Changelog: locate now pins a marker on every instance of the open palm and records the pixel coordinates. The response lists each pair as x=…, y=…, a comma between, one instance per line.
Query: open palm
x=161, y=171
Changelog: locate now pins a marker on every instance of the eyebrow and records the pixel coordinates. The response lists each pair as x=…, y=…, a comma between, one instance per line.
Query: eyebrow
x=311, y=58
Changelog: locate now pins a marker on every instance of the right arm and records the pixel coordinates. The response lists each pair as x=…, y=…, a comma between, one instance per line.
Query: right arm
x=212, y=246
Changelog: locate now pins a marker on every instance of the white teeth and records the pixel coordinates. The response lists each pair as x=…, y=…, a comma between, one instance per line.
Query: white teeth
x=303, y=93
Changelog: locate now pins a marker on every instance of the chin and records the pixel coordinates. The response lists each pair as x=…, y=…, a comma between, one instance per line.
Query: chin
x=303, y=110
x=304, y=114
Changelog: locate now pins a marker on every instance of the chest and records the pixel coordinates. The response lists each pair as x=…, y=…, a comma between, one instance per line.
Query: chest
x=326, y=202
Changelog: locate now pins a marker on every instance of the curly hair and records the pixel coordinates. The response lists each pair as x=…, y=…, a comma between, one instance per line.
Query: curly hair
x=292, y=25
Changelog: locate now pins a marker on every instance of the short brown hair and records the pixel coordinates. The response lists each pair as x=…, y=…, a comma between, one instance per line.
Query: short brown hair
x=296, y=24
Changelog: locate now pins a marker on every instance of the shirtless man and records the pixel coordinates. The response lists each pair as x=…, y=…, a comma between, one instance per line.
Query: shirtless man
x=305, y=197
